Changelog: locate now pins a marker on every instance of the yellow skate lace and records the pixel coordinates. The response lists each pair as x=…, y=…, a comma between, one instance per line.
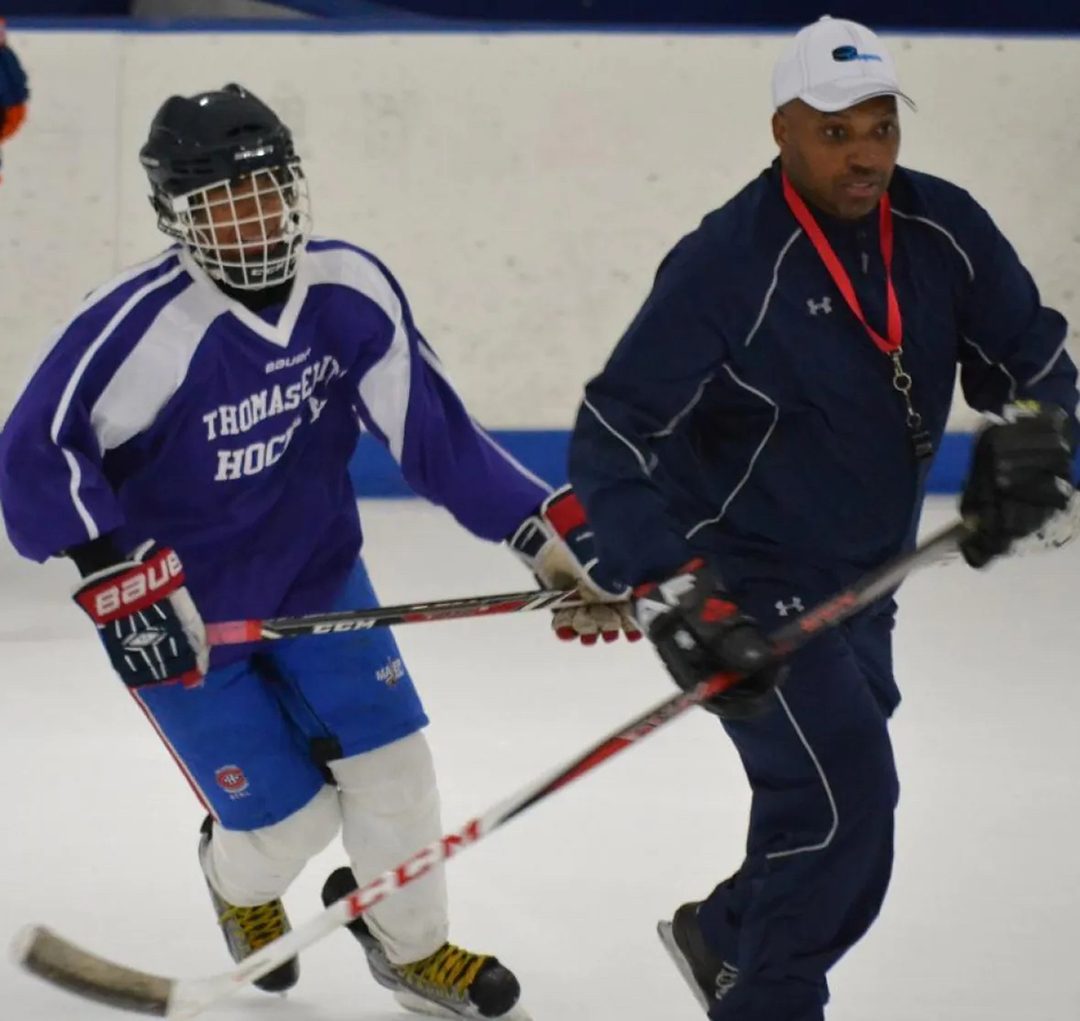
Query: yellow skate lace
x=260, y=925
x=450, y=970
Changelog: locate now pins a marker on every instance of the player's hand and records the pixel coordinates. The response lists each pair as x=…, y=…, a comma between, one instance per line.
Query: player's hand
x=1020, y=475
x=146, y=618
x=557, y=546
x=699, y=632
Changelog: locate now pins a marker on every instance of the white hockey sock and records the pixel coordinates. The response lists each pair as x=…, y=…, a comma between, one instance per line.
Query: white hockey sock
x=250, y=867
x=390, y=808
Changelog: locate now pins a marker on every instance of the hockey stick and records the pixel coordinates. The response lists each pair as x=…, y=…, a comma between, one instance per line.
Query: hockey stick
x=235, y=632
x=60, y=962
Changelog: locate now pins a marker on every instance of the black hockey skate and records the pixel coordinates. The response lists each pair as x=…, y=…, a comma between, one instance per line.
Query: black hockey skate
x=449, y=983
x=708, y=975
x=248, y=929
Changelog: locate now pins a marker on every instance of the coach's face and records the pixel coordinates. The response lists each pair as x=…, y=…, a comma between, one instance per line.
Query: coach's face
x=840, y=162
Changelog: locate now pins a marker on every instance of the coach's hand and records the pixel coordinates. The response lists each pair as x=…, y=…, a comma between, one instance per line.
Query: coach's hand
x=699, y=632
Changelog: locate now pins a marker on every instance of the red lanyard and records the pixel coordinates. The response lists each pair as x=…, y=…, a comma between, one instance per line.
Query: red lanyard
x=840, y=275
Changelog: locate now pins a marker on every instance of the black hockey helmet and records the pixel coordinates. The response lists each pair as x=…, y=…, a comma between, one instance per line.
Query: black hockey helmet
x=200, y=149
x=213, y=137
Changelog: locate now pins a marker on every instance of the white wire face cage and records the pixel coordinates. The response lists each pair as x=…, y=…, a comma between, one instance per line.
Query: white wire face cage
x=247, y=232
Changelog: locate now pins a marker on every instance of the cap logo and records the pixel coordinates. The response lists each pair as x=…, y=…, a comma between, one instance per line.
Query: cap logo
x=843, y=54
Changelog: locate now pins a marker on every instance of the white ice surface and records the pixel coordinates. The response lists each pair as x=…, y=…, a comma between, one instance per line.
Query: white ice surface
x=981, y=923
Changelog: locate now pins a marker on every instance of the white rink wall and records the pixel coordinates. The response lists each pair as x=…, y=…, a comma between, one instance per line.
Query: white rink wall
x=523, y=187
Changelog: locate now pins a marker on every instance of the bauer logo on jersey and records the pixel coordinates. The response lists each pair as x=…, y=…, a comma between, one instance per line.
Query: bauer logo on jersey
x=231, y=779
x=287, y=363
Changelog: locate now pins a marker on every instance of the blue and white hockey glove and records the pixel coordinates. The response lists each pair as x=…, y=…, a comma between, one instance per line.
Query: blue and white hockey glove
x=1021, y=475
x=699, y=632
x=146, y=618
x=557, y=546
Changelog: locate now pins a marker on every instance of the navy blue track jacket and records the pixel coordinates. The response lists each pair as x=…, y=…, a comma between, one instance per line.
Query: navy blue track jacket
x=746, y=411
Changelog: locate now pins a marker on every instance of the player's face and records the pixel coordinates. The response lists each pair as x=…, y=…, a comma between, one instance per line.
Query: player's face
x=840, y=162
x=245, y=216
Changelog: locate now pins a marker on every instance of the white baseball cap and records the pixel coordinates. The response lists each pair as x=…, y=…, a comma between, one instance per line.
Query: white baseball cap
x=834, y=64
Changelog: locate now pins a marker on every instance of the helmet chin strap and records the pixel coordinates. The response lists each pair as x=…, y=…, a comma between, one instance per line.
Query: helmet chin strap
x=278, y=269
x=256, y=300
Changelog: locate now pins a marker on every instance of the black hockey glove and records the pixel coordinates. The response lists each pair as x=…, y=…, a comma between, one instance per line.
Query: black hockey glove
x=146, y=618
x=1020, y=475
x=699, y=632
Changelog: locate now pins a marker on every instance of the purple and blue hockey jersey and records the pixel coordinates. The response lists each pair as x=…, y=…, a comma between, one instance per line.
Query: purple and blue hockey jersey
x=167, y=410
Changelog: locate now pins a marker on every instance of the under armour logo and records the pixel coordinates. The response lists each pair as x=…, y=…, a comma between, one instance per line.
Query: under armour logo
x=795, y=606
x=825, y=305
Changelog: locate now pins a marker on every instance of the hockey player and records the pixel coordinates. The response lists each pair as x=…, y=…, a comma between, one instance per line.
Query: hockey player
x=760, y=437
x=13, y=91
x=186, y=442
